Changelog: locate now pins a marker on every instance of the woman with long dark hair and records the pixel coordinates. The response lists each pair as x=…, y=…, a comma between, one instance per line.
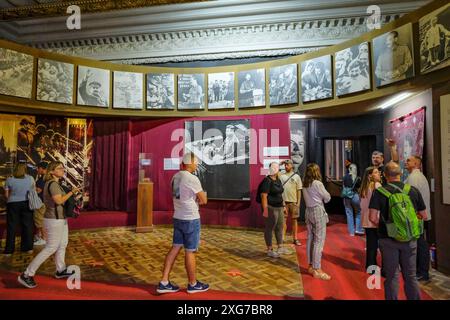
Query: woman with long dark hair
x=55, y=226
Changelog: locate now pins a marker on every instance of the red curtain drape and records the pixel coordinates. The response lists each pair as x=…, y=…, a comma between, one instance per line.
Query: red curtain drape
x=109, y=179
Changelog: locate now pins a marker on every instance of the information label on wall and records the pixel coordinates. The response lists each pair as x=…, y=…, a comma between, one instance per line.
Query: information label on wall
x=171, y=164
x=445, y=147
x=275, y=151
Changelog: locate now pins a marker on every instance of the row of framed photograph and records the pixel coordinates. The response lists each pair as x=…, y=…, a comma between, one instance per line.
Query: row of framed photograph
x=390, y=54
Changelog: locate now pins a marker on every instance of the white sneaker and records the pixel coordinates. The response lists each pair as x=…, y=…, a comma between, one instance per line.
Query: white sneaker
x=39, y=242
x=273, y=254
x=284, y=250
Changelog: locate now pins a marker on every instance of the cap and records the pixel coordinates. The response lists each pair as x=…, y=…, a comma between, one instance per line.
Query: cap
x=43, y=165
x=288, y=161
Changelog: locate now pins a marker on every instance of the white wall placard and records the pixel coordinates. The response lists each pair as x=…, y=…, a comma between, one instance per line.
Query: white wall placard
x=275, y=151
x=445, y=147
x=171, y=164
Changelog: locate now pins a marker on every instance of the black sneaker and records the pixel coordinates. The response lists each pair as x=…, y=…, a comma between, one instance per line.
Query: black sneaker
x=63, y=274
x=26, y=281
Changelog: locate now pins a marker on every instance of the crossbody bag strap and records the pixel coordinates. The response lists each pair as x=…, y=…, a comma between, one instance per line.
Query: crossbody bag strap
x=289, y=178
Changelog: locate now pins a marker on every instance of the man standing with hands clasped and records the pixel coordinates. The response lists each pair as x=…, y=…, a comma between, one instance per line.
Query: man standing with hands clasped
x=292, y=196
x=188, y=194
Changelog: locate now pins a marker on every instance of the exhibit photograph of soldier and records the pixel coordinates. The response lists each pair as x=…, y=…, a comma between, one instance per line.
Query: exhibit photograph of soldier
x=252, y=88
x=93, y=87
x=160, y=91
x=55, y=81
x=221, y=85
x=128, y=90
x=393, y=56
x=16, y=73
x=316, y=77
x=283, y=85
x=434, y=36
x=352, y=69
x=191, y=91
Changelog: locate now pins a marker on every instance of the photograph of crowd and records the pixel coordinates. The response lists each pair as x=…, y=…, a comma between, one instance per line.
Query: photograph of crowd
x=283, y=85
x=393, y=56
x=55, y=81
x=191, y=91
x=434, y=36
x=16, y=73
x=352, y=69
x=252, y=88
x=160, y=91
x=128, y=91
x=93, y=87
x=221, y=90
x=316, y=79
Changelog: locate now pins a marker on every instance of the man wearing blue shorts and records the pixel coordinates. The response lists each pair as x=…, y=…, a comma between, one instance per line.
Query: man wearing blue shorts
x=187, y=194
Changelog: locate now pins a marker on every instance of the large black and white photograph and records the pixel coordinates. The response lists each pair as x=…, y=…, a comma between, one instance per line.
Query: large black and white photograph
x=191, y=91
x=16, y=73
x=283, y=85
x=352, y=69
x=299, y=138
x=316, y=79
x=252, y=88
x=128, y=91
x=393, y=56
x=55, y=81
x=224, y=154
x=93, y=87
x=160, y=91
x=434, y=36
x=221, y=90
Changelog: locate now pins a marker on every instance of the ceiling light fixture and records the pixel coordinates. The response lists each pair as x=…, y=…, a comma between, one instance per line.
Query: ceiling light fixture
x=296, y=116
x=393, y=101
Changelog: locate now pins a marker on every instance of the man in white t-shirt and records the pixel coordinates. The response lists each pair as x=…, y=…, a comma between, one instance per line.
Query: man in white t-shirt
x=418, y=180
x=187, y=194
x=292, y=196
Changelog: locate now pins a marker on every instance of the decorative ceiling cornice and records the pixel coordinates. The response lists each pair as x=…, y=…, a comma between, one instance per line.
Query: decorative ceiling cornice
x=59, y=8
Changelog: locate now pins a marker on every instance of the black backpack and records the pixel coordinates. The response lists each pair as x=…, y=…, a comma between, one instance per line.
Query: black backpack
x=72, y=206
x=258, y=194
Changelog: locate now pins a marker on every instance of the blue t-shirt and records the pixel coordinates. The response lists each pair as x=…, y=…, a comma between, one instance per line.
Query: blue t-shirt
x=18, y=188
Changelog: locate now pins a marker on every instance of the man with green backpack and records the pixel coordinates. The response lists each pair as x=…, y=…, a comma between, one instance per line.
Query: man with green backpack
x=399, y=210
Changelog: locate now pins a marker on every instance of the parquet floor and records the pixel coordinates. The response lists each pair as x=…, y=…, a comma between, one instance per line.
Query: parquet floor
x=229, y=260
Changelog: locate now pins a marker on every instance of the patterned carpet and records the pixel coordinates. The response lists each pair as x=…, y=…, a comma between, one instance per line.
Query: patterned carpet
x=229, y=260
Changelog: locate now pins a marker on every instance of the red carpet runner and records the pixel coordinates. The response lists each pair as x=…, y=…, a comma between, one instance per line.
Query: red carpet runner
x=343, y=259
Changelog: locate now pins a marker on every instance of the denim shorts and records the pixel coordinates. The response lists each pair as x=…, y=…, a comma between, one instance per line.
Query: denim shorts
x=186, y=233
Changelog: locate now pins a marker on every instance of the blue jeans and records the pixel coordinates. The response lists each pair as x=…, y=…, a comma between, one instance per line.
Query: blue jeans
x=353, y=212
x=186, y=233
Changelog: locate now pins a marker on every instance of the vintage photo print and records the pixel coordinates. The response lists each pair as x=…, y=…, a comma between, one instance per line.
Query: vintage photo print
x=252, y=88
x=352, y=69
x=128, y=91
x=283, y=85
x=160, y=91
x=393, y=56
x=221, y=90
x=16, y=73
x=434, y=36
x=316, y=79
x=93, y=87
x=191, y=91
x=55, y=81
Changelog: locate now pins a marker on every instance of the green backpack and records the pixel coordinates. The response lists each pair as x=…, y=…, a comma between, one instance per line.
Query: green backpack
x=403, y=224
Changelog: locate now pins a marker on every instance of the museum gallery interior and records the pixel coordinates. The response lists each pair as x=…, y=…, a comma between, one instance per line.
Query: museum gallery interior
x=280, y=105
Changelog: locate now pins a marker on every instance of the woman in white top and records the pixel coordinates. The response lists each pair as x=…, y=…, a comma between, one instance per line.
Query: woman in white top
x=371, y=181
x=315, y=196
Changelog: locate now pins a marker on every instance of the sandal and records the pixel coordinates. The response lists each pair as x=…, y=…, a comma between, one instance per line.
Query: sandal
x=321, y=275
x=297, y=242
x=311, y=270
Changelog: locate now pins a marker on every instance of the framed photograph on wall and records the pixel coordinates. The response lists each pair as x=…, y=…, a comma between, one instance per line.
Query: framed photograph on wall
x=393, y=56
x=252, y=88
x=224, y=154
x=128, y=91
x=316, y=79
x=93, y=87
x=55, y=81
x=16, y=73
x=221, y=90
x=352, y=69
x=283, y=85
x=191, y=91
x=299, y=140
x=160, y=91
x=434, y=36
